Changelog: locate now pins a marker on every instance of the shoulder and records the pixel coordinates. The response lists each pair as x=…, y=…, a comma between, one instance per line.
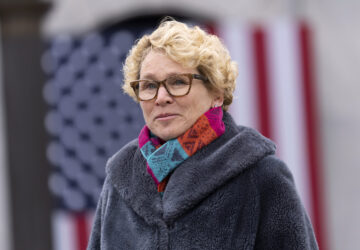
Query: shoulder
x=125, y=154
x=271, y=175
x=284, y=223
x=272, y=167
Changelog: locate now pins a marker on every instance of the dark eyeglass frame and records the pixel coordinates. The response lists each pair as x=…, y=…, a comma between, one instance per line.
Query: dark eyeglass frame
x=134, y=85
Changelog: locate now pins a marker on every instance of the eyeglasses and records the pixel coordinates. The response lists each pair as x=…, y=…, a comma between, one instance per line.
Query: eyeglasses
x=175, y=85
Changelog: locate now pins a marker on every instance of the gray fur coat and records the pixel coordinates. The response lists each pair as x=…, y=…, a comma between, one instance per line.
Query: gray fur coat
x=232, y=194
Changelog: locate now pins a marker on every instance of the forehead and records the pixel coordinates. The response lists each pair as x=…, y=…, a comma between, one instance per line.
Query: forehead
x=157, y=64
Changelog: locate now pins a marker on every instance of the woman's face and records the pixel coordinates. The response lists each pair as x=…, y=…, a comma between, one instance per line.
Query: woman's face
x=166, y=116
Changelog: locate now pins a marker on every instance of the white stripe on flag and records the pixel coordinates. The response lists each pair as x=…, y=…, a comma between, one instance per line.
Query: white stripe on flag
x=237, y=39
x=64, y=231
x=288, y=117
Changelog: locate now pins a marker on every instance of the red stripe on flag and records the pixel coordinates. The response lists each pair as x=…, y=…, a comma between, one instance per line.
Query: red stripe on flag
x=311, y=133
x=81, y=231
x=210, y=28
x=262, y=80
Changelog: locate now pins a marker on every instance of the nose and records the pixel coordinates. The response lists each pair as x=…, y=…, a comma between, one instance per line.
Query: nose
x=163, y=97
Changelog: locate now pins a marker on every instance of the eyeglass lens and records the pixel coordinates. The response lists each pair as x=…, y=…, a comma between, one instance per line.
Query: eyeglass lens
x=176, y=85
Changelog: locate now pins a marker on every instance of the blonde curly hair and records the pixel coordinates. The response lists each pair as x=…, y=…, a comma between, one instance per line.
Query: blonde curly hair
x=191, y=47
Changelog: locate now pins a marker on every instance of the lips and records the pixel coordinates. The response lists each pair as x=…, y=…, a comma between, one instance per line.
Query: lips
x=165, y=116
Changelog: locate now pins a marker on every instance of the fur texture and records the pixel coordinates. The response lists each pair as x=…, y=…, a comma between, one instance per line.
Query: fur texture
x=232, y=194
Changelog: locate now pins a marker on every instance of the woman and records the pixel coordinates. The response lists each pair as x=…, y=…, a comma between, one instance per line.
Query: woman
x=194, y=179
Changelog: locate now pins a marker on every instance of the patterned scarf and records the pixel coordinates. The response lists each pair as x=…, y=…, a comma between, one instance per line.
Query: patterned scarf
x=163, y=157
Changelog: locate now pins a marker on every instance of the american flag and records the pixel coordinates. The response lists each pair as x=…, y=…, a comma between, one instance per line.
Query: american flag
x=89, y=118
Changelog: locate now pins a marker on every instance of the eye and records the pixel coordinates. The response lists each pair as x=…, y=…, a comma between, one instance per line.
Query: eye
x=148, y=85
x=178, y=81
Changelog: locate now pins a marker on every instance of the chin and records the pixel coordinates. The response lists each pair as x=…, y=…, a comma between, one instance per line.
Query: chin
x=164, y=135
x=167, y=137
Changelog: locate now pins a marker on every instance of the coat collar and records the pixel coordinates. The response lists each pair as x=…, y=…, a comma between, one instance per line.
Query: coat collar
x=226, y=157
x=126, y=172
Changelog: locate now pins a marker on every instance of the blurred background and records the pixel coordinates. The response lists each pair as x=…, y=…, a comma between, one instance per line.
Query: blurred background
x=63, y=113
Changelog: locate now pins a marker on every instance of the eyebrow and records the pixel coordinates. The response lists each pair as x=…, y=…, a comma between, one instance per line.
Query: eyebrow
x=148, y=76
x=151, y=76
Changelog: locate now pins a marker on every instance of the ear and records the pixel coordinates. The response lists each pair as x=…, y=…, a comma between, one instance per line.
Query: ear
x=218, y=99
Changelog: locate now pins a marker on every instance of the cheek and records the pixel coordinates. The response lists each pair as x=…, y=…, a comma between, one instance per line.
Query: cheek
x=203, y=103
x=146, y=109
x=197, y=107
